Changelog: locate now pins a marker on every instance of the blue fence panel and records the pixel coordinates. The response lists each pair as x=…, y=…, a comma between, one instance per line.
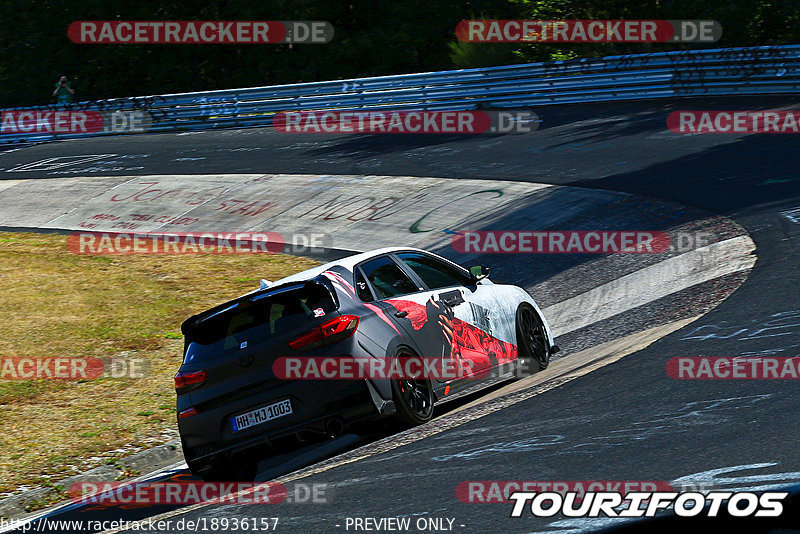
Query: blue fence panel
x=764, y=70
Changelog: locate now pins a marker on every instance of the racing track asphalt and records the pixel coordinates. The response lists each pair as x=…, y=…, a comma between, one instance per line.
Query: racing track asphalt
x=625, y=421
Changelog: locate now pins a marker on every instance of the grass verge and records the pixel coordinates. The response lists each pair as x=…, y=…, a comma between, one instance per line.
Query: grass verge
x=55, y=303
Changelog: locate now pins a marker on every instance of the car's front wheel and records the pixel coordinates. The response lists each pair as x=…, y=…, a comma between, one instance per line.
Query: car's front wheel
x=532, y=343
x=413, y=398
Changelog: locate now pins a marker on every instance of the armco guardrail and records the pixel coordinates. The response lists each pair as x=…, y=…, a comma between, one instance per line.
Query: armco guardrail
x=727, y=71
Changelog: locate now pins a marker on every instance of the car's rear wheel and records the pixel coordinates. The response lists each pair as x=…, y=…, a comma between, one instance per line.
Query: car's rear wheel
x=532, y=343
x=413, y=398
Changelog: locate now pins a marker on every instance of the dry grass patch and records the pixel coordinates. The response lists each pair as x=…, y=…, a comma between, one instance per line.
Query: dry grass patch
x=55, y=303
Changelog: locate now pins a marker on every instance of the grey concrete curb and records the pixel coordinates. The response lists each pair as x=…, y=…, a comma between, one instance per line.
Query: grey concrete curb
x=145, y=462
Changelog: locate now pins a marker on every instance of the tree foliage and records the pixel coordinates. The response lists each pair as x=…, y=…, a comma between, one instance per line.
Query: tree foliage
x=373, y=37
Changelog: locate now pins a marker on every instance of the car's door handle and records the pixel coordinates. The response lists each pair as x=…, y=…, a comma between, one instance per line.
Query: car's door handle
x=401, y=314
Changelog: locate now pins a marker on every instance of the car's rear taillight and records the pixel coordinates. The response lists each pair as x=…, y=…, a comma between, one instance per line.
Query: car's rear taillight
x=328, y=332
x=186, y=380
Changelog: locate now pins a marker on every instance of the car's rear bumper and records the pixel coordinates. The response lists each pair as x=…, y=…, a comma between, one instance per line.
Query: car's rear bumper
x=320, y=408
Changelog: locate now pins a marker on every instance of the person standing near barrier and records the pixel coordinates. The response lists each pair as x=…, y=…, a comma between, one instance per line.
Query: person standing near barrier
x=63, y=91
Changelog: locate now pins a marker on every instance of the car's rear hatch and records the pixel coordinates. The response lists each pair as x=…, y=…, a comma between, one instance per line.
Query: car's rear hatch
x=237, y=342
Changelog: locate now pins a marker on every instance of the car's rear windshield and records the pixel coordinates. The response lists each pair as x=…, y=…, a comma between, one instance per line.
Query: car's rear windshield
x=256, y=320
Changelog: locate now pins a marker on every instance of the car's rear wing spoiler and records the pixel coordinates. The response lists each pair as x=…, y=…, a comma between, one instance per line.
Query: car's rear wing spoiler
x=188, y=326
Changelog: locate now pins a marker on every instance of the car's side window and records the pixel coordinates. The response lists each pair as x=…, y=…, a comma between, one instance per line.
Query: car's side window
x=435, y=273
x=362, y=288
x=387, y=278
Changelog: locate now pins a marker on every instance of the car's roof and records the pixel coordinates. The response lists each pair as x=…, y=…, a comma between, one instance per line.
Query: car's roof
x=348, y=263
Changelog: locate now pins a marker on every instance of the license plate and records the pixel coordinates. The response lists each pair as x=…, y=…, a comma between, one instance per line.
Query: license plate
x=261, y=415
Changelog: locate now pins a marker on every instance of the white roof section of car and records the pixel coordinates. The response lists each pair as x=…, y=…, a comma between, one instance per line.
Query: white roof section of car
x=348, y=262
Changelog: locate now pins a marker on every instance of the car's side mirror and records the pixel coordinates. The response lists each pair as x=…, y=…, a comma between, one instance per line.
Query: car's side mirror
x=479, y=272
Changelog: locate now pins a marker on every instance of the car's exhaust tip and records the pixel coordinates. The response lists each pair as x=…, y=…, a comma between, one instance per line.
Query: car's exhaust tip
x=334, y=427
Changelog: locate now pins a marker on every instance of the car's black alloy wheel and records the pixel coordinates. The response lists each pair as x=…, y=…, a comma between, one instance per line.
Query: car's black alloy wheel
x=413, y=398
x=532, y=341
